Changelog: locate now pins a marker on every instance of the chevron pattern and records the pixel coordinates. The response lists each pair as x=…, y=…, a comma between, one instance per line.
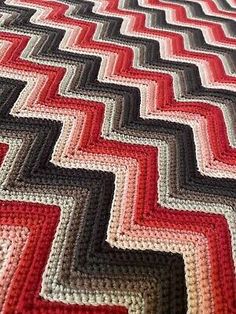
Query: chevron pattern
x=117, y=156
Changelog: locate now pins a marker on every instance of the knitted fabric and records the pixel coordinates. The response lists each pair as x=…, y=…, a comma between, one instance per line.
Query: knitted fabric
x=117, y=156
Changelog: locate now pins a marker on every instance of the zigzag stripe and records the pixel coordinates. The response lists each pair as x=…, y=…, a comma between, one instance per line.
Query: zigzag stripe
x=68, y=224
x=210, y=6
x=162, y=52
x=178, y=51
x=120, y=147
x=66, y=203
x=232, y=3
x=49, y=198
x=176, y=93
x=228, y=80
x=226, y=5
x=208, y=15
x=200, y=237
x=207, y=29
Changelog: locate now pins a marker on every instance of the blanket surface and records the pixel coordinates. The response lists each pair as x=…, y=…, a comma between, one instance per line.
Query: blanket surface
x=117, y=156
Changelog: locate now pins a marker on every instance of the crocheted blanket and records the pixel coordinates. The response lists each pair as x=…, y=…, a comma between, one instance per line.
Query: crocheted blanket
x=117, y=156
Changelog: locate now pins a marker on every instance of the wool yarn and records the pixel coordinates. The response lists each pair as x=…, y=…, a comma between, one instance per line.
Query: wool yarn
x=117, y=156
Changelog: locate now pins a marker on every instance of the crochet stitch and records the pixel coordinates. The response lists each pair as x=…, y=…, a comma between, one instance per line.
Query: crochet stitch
x=117, y=156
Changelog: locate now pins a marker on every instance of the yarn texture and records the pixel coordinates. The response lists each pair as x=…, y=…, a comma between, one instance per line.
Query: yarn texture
x=117, y=156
